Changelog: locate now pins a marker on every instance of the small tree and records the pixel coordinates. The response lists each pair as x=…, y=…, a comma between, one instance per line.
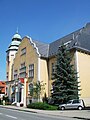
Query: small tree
x=37, y=88
x=65, y=85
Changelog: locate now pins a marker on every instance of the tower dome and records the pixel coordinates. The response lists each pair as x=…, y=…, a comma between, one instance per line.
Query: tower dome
x=16, y=40
x=17, y=37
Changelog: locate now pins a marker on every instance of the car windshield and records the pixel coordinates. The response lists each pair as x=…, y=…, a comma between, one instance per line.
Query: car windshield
x=69, y=102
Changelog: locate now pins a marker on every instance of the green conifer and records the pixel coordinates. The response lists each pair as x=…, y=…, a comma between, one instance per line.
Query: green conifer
x=65, y=85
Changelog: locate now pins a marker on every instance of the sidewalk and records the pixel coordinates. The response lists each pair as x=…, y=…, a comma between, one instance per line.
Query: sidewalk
x=83, y=114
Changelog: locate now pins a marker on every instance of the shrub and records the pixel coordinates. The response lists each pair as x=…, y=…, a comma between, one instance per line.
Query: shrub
x=7, y=103
x=42, y=106
x=6, y=98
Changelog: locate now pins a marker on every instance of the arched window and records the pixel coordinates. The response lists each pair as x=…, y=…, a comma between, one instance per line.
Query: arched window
x=30, y=89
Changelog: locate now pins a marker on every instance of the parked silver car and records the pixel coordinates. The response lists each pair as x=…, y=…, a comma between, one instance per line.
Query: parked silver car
x=73, y=104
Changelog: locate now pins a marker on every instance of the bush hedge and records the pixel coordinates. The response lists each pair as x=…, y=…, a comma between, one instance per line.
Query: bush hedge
x=7, y=103
x=42, y=106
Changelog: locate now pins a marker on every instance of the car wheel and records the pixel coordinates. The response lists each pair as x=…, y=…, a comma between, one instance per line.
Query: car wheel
x=80, y=107
x=62, y=108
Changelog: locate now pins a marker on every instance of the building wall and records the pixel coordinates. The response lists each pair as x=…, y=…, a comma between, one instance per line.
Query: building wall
x=84, y=76
x=43, y=68
x=9, y=64
x=8, y=90
x=40, y=66
x=51, y=60
x=44, y=76
x=29, y=58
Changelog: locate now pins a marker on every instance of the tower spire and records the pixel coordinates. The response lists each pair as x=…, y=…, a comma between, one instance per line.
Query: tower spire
x=17, y=30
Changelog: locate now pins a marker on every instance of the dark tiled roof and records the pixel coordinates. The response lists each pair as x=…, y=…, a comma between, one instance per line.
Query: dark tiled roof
x=78, y=39
x=43, y=48
x=83, y=41
x=55, y=45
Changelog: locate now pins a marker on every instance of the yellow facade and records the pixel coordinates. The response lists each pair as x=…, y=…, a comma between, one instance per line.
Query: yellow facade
x=84, y=76
x=81, y=63
x=44, y=76
x=9, y=67
x=51, y=61
x=31, y=57
x=40, y=56
x=43, y=68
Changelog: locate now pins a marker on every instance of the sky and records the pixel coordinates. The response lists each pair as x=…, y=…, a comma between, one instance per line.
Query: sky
x=42, y=20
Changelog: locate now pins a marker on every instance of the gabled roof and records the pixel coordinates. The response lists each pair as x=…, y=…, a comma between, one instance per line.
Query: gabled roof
x=65, y=40
x=79, y=39
x=43, y=48
x=40, y=47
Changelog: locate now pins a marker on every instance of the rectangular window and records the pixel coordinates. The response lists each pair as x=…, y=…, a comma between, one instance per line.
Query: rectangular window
x=23, y=51
x=31, y=71
x=7, y=76
x=30, y=89
x=7, y=58
x=53, y=68
x=15, y=74
x=22, y=70
x=22, y=65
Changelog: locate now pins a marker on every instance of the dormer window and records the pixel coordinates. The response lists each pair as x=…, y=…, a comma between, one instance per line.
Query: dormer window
x=67, y=43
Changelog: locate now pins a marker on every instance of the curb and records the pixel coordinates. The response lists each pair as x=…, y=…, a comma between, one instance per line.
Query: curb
x=81, y=118
x=19, y=109
x=32, y=111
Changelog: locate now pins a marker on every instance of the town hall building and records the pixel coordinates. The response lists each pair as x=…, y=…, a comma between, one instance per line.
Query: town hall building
x=30, y=61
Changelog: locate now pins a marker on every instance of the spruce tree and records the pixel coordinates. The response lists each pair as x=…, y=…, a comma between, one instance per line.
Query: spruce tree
x=65, y=85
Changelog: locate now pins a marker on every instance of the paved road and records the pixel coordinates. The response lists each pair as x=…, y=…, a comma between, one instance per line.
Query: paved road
x=8, y=114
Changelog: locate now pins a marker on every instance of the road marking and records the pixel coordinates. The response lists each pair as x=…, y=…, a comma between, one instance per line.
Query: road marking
x=11, y=116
